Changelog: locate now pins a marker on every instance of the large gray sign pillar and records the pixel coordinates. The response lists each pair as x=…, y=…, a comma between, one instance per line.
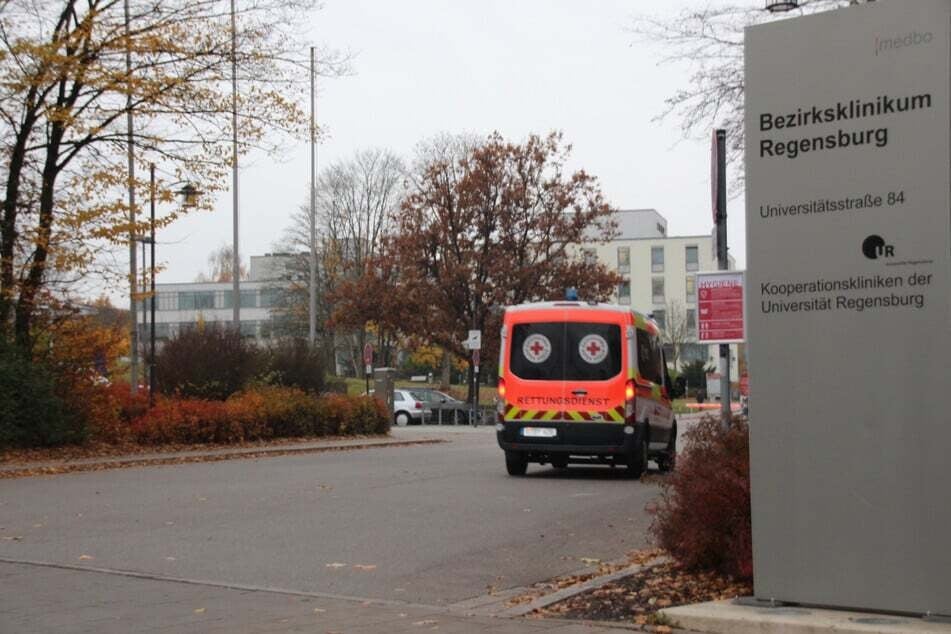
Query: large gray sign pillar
x=849, y=279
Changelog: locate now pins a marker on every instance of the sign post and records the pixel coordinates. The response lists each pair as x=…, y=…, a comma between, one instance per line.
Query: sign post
x=474, y=343
x=848, y=147
x=718, y=186
x=368, y=363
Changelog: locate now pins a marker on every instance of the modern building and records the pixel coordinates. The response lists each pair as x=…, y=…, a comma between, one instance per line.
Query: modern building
x=659, y=272
x=182, y=305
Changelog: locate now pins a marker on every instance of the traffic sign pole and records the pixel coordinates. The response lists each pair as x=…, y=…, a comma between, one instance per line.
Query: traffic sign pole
x=368, y=363
x=723, y=263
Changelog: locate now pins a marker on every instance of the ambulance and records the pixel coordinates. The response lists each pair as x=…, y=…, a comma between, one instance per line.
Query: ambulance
x=583, y=383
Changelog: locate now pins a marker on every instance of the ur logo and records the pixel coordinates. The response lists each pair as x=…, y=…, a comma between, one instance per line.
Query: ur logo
x=874, y=247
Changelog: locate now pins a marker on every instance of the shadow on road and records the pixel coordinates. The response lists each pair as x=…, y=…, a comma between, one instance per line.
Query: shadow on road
x=583, y=472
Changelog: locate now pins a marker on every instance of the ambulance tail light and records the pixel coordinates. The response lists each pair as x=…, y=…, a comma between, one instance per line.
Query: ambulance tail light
x=630, y=395
x=502, y=389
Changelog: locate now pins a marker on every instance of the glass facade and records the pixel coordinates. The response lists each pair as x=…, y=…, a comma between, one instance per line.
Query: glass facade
x=693, y=258
x=657, y=259
x=623, y=259
x=657, y=290
x=624, y=292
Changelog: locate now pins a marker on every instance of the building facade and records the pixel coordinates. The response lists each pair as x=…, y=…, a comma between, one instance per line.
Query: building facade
x=659, y=273
x=183, y=305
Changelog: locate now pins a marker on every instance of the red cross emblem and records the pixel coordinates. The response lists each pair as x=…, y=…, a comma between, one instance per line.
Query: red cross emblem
x=593, y=349
x=537, y=348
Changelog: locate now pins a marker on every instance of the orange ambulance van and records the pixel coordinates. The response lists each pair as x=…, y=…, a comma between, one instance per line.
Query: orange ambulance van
x=582, y=382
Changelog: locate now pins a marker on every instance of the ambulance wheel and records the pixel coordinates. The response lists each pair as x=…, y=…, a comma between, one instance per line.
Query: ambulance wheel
x=637, y=461
x=515, y=463
x=668, y=461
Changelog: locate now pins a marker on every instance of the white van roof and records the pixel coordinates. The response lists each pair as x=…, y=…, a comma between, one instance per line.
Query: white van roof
x=611, y=308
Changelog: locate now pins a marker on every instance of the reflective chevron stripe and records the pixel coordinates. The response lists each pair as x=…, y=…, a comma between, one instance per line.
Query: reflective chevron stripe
x=615, y=415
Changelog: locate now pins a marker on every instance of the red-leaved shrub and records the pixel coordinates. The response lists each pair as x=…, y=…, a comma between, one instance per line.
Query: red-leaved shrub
x=261, y=412
x=703, y=515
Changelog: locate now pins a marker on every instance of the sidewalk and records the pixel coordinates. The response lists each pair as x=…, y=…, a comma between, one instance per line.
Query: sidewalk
x=44, y=599
x=15, y=469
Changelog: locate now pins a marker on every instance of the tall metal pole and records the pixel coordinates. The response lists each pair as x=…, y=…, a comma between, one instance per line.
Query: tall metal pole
x=236, y=264
x=154, y=298
x=312, y=310
x=723, y=264
x=133, y=273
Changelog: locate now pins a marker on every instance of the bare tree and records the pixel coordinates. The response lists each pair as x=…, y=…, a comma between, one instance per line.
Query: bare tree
x=709, y=41
x=221, y=266
x=356, y=199
x=676, y=330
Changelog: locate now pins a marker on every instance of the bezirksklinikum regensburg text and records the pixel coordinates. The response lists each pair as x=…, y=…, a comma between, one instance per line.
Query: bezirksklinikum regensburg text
x=841, y=111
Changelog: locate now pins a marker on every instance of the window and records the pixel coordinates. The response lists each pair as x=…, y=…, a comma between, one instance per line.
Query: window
x=657, y=259
x=249, y=299
x=249, y=328
x=650, y=364
x=552, y=351
x=270, y=297
x=623, y=259
x=691, y=321
x=590, y=256
x=661, y=229
x=657, y=290
x=624, y=292
x=162, y=330
x=167, y=301
x=660, y=316
x=197, y=300
x=691, y=288
x=693, y=259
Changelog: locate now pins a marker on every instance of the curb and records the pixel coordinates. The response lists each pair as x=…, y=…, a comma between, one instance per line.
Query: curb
x=120, y=463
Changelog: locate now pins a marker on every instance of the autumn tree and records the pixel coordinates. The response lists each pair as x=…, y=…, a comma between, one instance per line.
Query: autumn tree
x=71, y=71
x=708, y=40
x=221, y=266
x=495, y=225
x=356, y=199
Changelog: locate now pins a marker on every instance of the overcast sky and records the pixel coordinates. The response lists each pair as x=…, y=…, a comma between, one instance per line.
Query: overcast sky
x=517, y=66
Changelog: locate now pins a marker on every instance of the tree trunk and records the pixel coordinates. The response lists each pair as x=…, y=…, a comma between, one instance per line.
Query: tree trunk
x=26, y=303
x=445, y=379
x=8, y=232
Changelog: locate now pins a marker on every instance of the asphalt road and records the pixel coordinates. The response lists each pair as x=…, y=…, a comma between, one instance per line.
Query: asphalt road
x=433, y=524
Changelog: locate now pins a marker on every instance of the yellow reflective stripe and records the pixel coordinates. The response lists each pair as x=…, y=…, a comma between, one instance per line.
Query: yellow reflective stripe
x=655, y=391
x=631, y=373
x=512, y=415
x=529, y=413
x=575, y=415
x=615, y=416
x=549, y=415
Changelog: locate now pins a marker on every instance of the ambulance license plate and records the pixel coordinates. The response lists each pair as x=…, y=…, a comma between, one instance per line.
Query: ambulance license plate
x=539, y=432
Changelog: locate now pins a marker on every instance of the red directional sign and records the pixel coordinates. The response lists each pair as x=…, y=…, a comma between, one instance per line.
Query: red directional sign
x=367, y=354
x=720, y=307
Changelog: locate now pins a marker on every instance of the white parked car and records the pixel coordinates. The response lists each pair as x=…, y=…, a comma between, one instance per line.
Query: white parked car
x=408, y=409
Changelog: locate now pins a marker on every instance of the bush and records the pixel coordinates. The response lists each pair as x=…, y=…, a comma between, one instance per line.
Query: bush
x=31, y=414
x=207, y=362
x=293, y=363
x=261, y=412
x=703, y=516
x=369, y=416
x=336, y=414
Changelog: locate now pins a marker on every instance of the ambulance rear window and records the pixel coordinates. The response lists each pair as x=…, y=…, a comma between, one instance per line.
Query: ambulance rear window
x=573, y=351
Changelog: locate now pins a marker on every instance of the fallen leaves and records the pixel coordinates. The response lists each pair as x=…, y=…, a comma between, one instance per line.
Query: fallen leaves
x=199, y=610
x=365, y=567
x=86, y=557
x=336, y=565
x=638, y=598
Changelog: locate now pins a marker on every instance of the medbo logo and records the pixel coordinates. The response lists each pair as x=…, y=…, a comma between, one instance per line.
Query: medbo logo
x=874, y=247
x=884, y=44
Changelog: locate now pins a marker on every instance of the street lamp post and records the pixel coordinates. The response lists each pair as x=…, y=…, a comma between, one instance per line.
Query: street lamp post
x=189, y=196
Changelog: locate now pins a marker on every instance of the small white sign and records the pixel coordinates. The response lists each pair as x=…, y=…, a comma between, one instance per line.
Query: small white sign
x=474, y=341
